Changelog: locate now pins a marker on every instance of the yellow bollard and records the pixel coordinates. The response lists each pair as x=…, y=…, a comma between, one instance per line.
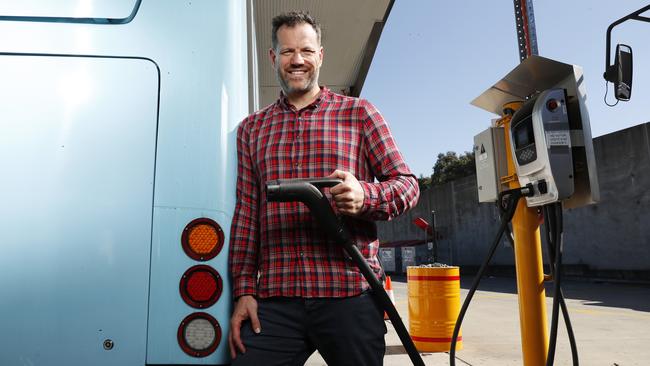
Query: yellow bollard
x=434, y=304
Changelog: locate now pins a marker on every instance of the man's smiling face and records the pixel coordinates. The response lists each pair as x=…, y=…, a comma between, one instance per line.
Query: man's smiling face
x=297, y=59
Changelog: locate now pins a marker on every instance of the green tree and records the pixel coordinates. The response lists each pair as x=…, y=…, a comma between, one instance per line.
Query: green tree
x=424, y=182
x=450, y=167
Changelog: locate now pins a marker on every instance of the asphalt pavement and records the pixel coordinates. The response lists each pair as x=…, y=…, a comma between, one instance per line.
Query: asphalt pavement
x=611, y=322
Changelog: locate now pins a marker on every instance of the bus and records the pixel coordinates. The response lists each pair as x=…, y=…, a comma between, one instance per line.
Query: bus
x=118, y=121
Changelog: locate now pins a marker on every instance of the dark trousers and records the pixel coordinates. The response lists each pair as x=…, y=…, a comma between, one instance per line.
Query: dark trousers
x=346, y=331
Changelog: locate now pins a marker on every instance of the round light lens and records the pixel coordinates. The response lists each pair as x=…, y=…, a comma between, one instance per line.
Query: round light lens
x=202, y=239
x=199, y=334
x=201, y=286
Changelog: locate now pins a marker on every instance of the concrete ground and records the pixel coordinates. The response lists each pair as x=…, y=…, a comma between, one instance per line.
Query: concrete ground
x=611, y=323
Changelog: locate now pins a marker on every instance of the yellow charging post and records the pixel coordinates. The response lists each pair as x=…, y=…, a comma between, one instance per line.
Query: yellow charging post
x=528, y=263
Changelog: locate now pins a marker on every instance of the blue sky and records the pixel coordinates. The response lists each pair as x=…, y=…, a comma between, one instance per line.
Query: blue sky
x=435, y=57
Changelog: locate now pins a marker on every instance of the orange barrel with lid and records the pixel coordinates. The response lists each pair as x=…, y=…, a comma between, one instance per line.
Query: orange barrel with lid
x=434, y=304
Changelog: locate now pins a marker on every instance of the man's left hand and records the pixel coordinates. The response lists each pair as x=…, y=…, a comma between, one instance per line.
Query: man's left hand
x=348, y=195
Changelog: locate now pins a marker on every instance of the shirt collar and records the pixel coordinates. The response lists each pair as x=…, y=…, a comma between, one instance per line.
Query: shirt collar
x=323, y=96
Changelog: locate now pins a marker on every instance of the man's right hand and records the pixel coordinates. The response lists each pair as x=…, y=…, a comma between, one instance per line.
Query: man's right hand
x=245, y=308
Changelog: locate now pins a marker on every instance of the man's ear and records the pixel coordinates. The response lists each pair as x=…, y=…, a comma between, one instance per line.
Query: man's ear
x=272, y=56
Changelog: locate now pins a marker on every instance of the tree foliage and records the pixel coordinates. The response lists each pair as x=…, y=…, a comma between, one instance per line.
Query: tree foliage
x=450, y=167
x=424, y=182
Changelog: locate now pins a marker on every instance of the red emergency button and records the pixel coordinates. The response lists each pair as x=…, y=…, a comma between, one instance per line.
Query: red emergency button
x=552, y=104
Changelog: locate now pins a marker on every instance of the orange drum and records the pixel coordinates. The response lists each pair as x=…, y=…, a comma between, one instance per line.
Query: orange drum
x=434, y=304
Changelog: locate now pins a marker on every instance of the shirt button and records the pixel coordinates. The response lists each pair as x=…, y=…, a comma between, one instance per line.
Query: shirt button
x=297, y=165
x=302, y=254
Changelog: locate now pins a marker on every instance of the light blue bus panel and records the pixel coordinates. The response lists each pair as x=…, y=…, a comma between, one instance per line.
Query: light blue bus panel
x=77, y=159
x=93, y=10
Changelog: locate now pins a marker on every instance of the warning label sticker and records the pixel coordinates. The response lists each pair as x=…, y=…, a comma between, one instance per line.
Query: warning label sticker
x=558, y=138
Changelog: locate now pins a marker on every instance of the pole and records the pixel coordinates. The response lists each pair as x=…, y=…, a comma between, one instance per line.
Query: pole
x=525, y=26
x=525, y=223
x=528, y=265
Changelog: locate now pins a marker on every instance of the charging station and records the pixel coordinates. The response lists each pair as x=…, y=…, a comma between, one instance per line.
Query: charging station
x=550, y=133
x=541, y=149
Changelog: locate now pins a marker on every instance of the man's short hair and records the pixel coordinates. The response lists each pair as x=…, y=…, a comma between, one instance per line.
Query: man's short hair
x=291, y=19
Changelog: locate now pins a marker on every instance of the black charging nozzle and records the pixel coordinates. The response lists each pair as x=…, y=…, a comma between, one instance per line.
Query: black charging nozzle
x=308, y=192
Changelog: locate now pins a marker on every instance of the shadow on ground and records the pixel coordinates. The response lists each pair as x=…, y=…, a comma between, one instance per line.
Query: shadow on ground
x=591, y=291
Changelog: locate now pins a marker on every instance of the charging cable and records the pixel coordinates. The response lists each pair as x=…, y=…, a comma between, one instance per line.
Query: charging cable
x=554, y=240
x=508, y=205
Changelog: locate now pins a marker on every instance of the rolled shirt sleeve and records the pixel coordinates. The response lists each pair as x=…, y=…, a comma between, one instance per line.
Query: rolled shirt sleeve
x=397, y=190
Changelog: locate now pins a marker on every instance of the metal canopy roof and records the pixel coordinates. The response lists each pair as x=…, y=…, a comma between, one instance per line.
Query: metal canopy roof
x=350, y=33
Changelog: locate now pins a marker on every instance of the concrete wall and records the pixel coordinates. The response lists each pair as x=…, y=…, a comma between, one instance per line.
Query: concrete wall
x=608, y=239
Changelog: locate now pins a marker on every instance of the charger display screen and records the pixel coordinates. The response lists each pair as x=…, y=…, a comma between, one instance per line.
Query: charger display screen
x=523, y=133
x=524, y=141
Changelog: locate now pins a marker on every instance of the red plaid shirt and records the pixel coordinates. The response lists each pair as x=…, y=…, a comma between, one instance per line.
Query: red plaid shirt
x=277, y=249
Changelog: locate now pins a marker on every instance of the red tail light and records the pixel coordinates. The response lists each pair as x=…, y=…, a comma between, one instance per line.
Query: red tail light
x=201, y=286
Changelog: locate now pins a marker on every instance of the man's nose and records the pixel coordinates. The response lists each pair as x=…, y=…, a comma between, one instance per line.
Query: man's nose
x=297, y=59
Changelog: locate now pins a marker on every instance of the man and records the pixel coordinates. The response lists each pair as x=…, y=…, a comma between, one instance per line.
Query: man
x=295, y=291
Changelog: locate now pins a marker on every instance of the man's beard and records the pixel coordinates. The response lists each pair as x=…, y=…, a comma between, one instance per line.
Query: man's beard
x=288, y=89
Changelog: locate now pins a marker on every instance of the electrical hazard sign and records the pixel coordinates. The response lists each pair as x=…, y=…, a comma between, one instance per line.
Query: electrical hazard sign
x=483, y=156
